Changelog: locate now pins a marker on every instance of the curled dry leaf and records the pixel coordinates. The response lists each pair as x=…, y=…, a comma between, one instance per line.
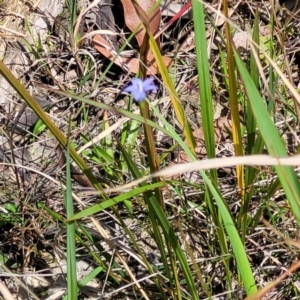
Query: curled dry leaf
x=132, y=21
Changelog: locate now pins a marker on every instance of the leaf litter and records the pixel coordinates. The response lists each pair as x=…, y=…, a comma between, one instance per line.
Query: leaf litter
x=20, y=243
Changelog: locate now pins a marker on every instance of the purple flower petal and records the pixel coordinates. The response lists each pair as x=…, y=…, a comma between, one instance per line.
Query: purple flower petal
x=139, y=88
x=148, y=85
x=139, y=95
x=130, y=89
x=137, y=82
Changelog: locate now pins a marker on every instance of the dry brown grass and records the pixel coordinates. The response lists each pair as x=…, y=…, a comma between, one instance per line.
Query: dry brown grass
x=32, y=237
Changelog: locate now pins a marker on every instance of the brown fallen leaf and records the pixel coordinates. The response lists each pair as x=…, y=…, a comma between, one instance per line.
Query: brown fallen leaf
x=127, y=63
x=132, y=21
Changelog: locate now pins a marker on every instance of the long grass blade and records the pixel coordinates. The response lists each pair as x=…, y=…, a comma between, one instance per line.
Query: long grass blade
x=71, y=250
x=274, y=144
x=234, y=104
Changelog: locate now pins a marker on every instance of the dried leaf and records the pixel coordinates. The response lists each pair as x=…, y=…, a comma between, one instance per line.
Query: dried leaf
x=242, y=40
x=128, y=63
x=132, y=21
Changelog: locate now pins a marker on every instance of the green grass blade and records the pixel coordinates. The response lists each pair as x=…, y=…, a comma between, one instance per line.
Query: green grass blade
x=71, y=250
x=115, y=200
x=255, y=142
x=173, y=94
x=86, y=279
x=72, y=8
x=204, y=80
x=234, y=105
x=168, y=231
x=274, y=144
x=148, y=196
x=237, y=245
x=207, y=113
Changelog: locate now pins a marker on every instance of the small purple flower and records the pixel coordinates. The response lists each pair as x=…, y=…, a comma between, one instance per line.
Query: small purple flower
x=139, y=88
